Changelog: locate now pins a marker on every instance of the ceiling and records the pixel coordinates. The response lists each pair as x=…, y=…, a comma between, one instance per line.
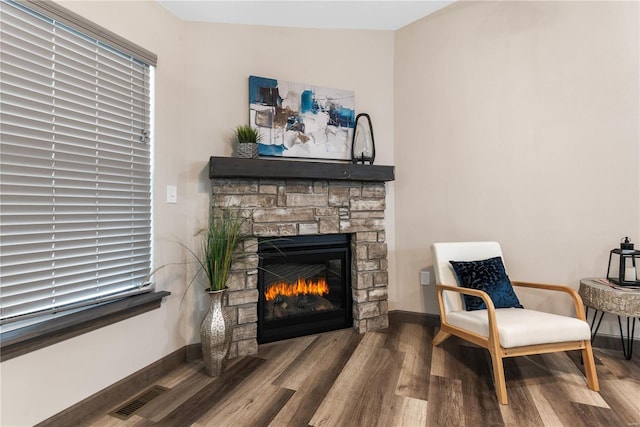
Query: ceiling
x=356, y=15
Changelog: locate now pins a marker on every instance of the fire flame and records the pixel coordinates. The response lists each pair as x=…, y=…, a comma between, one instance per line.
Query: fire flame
x=300, y=287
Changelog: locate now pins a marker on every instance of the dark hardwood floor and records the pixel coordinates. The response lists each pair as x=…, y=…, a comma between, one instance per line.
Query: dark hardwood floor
x=391, y=378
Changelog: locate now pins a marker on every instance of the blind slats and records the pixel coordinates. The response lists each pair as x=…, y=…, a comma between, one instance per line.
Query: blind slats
x=41, y=248
x=83, y=267
x=75, y=177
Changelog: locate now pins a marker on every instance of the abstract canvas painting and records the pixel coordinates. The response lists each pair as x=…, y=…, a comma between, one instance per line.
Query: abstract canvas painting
x=301, y=120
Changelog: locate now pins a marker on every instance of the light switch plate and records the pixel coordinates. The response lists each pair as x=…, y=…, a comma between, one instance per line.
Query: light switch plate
x=172, y=194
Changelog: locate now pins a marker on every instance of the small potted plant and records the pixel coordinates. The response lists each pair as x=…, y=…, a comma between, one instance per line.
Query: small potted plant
x=248, y=138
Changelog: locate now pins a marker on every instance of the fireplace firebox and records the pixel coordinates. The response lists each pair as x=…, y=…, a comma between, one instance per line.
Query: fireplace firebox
x=305, y=286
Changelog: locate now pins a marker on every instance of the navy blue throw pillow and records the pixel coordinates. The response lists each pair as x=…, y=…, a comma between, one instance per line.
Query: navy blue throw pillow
x=487, y=275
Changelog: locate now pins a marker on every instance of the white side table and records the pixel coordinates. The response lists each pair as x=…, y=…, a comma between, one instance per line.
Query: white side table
x=607, y=299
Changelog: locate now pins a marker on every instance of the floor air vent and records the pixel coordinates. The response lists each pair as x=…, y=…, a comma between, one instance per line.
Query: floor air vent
x=129, y=408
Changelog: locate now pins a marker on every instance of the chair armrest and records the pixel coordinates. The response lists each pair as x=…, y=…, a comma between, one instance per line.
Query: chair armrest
x=468, y=291
x=577, y=300
x=491, y=310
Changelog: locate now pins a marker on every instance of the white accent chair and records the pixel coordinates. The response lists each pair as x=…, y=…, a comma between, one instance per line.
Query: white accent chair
x=505, y=332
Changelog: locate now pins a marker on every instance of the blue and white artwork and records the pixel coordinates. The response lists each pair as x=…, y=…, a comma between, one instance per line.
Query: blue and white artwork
x=301, y=120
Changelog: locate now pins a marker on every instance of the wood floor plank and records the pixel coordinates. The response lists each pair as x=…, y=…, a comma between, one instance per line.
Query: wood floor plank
x=257, y=408
x=277, y=349
x=370, y=407
x=280, y=358
x=549, y=388
x=445, y=403
x=589, y=414
x=438, y=361
x=565, y=411
x=572, y=380
x=623, y=397
x=521, y=410
x=339, y=404
x=322, y=373
x=303, y=404
x=173, y=378
x=321, y=354
x=544, y=406
x=452, y=363
x=200, y=403
x=411, y=412
x=480, y=401
x=111, y=421
x=193, y=382
x=415, y=342
x=617, y=366
x=543, y=389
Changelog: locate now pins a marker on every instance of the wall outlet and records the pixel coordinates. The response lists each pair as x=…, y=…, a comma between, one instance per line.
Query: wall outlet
x=425, y=278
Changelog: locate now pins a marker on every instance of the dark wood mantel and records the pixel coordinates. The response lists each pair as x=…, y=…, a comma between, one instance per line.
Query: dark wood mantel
x=233, y=167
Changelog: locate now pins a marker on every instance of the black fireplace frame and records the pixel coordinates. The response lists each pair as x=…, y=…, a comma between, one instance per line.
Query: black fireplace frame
x=296, y=246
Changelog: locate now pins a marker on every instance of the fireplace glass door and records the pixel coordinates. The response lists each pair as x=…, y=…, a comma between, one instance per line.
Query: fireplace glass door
x=304, y=284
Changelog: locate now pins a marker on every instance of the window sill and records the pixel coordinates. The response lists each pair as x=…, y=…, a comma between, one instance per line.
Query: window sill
x=33, y=337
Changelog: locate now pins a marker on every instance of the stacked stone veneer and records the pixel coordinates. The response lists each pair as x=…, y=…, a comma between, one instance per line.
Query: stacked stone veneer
x=292, y=208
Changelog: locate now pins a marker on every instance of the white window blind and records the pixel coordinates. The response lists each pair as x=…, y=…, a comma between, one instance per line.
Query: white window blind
x=75, y=168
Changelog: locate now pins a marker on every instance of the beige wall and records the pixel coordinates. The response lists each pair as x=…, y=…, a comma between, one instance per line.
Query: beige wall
x=517, y=122
x=201, y=94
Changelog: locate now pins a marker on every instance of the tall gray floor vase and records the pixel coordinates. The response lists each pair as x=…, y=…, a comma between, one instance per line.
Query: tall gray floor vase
x=215, y=334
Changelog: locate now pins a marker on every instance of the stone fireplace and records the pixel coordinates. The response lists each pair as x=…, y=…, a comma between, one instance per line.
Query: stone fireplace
x=283, y=198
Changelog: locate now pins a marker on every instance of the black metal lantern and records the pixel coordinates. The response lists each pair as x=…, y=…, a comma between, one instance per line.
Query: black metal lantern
x=626, y=274
x=363, y=148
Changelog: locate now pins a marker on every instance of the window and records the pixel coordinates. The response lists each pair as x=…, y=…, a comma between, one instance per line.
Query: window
x=75, y=162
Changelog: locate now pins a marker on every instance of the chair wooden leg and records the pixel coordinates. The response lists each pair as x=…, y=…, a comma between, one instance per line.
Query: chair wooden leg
x=440, y=336
x=498, y=378
x=590, y=367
